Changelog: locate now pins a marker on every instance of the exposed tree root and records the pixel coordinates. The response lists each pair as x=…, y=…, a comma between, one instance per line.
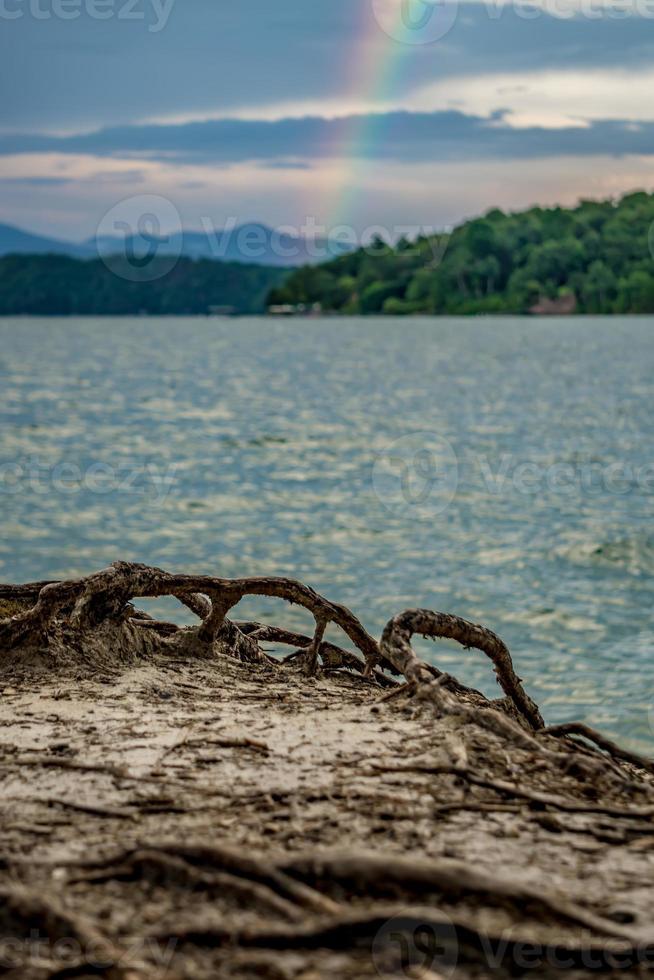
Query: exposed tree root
x=225, y=859
x=106, y=595
x=331, y=656
x=375, y=876
x=604, y=743
x=519, y=792
x=156, y=864
x=385, y=874
x=37, y=918
x=396, y=646
x=454, y=936
x=501, y=769
x=94, y=809
x=390, y=888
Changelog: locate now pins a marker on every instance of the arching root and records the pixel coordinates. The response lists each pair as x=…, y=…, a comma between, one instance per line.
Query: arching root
x=107, y=597
x=226, y=830
x=396, y=647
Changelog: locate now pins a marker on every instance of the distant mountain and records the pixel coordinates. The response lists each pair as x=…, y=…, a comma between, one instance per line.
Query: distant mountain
x=249, y=243
x=15, y=241
x=252, y=244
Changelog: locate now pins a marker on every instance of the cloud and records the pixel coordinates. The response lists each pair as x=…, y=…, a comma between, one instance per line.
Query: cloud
x=258, y=107
x=35, y=181
x=286, y=165
x=225, y=58
x=395, y=136
x=117, y=176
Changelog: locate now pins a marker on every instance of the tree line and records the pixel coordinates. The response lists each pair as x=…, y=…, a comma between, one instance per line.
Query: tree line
x=56, y=285
x=595, y=258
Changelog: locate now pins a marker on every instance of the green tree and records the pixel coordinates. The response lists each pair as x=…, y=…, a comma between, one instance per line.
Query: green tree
x=598, y=251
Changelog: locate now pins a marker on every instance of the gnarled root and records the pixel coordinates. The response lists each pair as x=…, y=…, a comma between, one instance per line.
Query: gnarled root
x=396, y=647
x=107, y=595
x=90, y=603
x=379, y=895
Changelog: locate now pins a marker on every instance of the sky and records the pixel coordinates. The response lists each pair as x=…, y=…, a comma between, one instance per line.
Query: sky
x=402, y=115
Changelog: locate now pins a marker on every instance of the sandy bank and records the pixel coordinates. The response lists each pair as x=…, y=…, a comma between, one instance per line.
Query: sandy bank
x=166, y=813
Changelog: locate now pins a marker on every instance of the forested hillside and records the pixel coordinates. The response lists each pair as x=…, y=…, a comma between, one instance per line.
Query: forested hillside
x=595, y=258
x=58, y=285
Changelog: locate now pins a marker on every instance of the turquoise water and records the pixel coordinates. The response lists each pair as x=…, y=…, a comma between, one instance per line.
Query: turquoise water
x=501, y=469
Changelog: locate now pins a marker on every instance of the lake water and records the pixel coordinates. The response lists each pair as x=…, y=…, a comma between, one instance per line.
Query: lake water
x=500, y=469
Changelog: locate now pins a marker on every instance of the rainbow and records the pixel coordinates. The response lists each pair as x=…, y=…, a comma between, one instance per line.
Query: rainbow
x=384, y=51
x=376, y=69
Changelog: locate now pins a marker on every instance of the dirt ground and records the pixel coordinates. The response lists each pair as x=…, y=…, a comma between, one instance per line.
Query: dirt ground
x=168, y=816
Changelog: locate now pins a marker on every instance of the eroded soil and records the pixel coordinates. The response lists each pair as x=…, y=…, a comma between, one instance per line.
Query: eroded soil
x=204, y=819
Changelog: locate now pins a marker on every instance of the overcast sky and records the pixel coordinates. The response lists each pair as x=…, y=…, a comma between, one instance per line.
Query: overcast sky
x=327, y=112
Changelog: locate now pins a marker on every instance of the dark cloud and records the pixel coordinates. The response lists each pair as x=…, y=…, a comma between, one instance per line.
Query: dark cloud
x=35, y=181
x=286, y=165
x=405, y=137
x=116, y=177
x=109, y=176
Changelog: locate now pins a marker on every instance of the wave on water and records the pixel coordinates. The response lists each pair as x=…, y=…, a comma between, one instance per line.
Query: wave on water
x=634, y=554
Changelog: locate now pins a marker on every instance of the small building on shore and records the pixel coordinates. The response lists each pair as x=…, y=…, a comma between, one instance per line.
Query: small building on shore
x=295, y=309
